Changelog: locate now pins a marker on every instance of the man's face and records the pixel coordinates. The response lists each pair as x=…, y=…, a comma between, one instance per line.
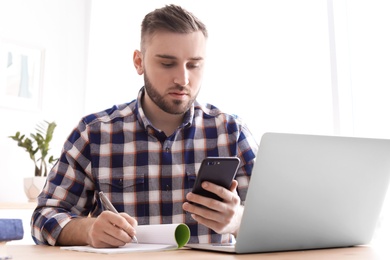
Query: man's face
x=173, y=65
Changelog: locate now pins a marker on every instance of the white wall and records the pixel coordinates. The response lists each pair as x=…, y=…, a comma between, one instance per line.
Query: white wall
x=363, y=65
x=369, y=41
x=307, y=66
x=61, y=28
x=268, y=61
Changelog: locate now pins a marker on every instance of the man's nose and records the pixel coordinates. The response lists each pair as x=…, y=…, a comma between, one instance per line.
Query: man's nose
x=181, y=76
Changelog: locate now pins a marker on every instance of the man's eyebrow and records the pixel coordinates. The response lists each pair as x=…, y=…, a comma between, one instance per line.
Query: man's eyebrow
x=165, y=56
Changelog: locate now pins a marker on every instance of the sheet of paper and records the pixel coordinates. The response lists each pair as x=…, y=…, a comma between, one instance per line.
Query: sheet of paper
x=172, y=234
x=132, y=247
x=150, y=237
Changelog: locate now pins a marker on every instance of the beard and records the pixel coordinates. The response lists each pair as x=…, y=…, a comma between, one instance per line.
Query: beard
x=175, y=107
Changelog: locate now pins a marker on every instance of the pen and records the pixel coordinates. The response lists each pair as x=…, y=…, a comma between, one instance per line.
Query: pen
x=108, y=205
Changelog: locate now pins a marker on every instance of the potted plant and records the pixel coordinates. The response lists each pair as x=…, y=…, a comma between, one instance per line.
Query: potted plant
x=37, y=146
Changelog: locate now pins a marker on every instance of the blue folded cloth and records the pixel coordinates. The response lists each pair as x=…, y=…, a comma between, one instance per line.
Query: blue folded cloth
x=11, y=229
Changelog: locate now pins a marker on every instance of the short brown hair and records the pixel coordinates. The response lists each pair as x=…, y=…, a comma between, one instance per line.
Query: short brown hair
x=171, y=18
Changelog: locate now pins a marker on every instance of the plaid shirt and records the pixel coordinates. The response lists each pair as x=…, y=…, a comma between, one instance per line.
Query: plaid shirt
x=143, y=172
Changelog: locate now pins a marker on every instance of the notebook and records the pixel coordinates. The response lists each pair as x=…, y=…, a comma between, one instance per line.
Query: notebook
x=312, y=192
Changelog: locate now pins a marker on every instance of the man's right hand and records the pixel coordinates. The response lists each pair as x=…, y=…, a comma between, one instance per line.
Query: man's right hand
x=107, y=230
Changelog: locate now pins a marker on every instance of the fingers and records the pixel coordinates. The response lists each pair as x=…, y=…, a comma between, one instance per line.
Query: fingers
x=233, y=187
x=132, y=221
x=112, y=230
x=220, y=216
x=129, y=225
x=216, y=220
x=216, y=225
x=228, y=196
x=211, y=214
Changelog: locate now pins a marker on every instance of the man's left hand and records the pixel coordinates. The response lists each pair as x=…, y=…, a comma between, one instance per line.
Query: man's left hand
x=221, y=216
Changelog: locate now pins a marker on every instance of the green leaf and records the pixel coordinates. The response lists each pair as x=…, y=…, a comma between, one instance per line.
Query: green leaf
x=39, y=144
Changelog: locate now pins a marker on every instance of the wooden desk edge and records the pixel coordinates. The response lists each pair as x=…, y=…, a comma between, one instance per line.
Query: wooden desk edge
x=49, y=252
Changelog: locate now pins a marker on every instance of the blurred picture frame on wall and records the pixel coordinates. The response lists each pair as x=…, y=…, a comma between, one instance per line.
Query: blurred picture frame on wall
x=21, y=75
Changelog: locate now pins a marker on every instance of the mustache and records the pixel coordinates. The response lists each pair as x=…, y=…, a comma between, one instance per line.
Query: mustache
x=179, y=88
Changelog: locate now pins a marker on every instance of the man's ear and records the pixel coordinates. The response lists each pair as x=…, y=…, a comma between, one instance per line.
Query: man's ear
x=138, y=62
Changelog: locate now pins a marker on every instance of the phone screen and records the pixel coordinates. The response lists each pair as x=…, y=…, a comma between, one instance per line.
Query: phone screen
x=218, y=170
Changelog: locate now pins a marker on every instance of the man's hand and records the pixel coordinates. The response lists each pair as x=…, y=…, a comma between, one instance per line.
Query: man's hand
x=107, y=230
x=221, y=216
x=111, y=230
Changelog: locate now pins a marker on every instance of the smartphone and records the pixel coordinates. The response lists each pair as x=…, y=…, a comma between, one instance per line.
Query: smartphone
x=218, y=170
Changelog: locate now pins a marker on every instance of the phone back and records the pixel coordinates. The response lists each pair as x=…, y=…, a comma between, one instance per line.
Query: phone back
x=218, y=170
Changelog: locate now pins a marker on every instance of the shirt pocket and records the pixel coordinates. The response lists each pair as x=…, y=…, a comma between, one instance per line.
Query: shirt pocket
x=121, y=183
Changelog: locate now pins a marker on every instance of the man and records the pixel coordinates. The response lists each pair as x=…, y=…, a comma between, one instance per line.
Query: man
x=145, y=154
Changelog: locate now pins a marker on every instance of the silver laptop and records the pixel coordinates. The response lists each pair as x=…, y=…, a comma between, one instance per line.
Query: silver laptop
x=311, y=192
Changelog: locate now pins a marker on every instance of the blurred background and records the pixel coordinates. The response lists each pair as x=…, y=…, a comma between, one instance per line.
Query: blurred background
x=303, y=66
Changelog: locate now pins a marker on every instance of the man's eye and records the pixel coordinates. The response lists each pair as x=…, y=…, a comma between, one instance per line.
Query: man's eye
x=167, y=65
x=193, y=65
